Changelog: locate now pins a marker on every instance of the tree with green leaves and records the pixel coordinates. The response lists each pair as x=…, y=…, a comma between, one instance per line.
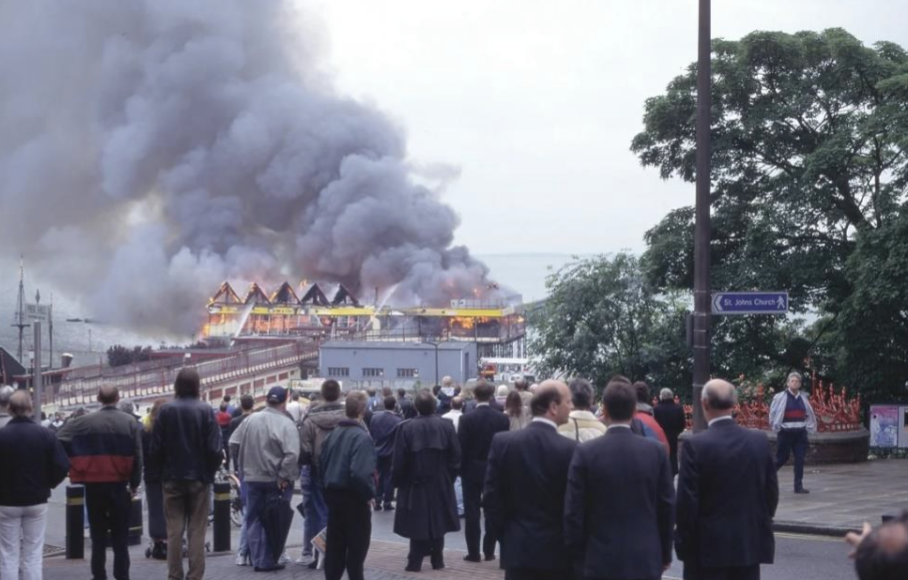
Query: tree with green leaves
x=119, y=355
x=809, y=165
x=603, y=318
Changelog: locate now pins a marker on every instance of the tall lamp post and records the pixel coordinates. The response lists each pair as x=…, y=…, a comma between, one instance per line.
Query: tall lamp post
x=702, y=302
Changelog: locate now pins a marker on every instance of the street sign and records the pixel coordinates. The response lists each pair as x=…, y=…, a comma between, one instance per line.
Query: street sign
x=750, y=303
x=38, y=312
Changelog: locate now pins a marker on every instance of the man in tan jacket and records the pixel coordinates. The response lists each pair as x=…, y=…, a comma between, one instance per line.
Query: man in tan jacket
x=582, y=424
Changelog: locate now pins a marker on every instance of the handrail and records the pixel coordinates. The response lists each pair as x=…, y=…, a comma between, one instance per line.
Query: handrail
x=151, y=382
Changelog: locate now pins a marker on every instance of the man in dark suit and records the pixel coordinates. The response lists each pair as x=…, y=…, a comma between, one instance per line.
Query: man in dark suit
x=670, y=416
x=620, y=498
x=524, y=489
x=475, y=432
x=727, y=495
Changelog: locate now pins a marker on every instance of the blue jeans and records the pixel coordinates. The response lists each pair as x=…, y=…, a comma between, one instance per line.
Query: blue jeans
x=314, y=506
x=257, y=494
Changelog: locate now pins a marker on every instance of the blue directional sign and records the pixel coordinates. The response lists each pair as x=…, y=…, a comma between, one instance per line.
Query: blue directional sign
x=750, y=303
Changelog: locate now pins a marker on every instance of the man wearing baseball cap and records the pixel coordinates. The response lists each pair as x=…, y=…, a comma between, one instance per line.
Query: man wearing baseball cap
x=267, y=447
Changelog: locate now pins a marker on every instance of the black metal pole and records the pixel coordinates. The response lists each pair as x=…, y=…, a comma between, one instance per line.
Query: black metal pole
x=436, y=363
x=702, y=302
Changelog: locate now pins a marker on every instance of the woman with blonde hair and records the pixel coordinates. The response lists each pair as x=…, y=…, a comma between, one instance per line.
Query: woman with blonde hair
x=154, y=490
x=516, y=412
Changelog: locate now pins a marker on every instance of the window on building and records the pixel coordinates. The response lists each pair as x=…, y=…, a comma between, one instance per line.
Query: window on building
x=373, y=372
x=407, y=373
x=338, y=371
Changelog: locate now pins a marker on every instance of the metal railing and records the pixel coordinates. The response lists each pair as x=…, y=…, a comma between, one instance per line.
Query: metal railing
x=159, y=381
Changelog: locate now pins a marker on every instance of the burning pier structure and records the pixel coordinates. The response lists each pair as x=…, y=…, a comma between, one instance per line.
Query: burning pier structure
x=330, y=311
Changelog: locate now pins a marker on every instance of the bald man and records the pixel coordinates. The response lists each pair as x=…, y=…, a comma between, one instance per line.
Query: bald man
x=524, y=490
x=882, y=553
x=105, y=451
x=727, y=495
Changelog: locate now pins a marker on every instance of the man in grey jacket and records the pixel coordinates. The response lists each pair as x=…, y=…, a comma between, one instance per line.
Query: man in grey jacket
x=267, y=447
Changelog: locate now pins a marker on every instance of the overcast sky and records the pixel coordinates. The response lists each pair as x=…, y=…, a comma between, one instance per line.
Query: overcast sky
x=537, y=101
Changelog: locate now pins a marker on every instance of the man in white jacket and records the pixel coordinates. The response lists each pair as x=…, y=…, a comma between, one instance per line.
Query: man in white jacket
x=792, y=418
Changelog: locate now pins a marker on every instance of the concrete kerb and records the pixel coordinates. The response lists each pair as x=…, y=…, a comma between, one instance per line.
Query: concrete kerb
x=808, y=529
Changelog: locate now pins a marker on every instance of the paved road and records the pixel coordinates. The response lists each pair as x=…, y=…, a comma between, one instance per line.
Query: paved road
x=798, y=557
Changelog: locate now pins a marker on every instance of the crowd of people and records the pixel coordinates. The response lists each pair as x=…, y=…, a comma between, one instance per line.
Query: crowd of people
x=549, y=482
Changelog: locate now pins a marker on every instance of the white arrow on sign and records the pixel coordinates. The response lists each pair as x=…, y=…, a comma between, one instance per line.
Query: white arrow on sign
x=717, y=303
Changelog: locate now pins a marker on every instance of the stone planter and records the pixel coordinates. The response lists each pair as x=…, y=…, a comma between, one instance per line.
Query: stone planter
x=829, y=447
x=839, y=447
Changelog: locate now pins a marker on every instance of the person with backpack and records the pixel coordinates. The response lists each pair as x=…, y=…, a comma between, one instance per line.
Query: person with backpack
x=346, y=470
x=321, y=420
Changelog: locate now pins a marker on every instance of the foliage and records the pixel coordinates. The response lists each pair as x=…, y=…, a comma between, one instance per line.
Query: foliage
x=603, y=318
x=871, y=346
x=119, y=355
x=809, y=180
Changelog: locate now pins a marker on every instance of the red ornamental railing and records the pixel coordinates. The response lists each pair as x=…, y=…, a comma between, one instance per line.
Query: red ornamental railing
x=835, y=411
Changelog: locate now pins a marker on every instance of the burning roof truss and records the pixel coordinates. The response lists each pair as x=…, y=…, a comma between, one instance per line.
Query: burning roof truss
x=226, y=295
x=256, y=295
x=315, y=297
x=285, y=295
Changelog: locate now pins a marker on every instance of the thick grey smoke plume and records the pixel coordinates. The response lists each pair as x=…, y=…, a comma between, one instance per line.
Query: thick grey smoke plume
x=151, y=149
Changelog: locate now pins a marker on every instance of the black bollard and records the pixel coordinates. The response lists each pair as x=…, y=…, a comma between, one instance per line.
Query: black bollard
x=75, y=522
x=221, y=517
x=136, y=525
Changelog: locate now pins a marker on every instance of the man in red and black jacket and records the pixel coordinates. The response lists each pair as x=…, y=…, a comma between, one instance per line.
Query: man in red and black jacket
x=105, y=453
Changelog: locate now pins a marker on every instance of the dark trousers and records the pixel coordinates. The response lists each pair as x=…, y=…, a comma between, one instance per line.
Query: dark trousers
x=419, y=549
x=788, y=441
x=536, y=574
x=154, y=501
x=385, y=491
x=349, y=531
x=472, y=502
x=735, y=573
x=673, y=455
x=108, y=511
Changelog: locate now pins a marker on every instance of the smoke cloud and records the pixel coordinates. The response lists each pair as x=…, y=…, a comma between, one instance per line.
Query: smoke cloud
x=151, y=149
